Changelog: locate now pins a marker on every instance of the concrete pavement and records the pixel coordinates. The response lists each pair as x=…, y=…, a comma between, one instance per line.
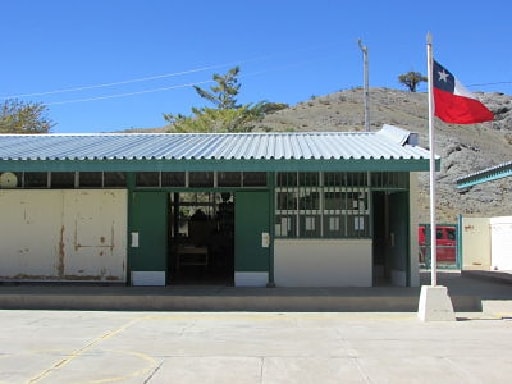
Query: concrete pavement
x=308, y=346
x=249, y=347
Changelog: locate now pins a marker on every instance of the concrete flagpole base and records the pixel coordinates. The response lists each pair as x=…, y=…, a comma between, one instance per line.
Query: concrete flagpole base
x=435, y=304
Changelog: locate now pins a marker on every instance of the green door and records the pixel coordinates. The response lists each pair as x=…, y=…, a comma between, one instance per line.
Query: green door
x=148, y=235
x=252, y=218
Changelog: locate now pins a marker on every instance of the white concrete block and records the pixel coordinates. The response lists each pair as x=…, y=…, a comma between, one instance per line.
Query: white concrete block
x=251, y=279
x=435, y=304
x=148, y=278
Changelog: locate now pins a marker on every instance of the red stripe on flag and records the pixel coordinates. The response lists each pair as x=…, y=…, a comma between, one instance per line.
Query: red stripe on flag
x=455, y=109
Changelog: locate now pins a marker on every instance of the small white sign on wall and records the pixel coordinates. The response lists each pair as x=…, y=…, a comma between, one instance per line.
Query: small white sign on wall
x=135, y=240
x=359, y=223
x=265, y=240
x=334, y=224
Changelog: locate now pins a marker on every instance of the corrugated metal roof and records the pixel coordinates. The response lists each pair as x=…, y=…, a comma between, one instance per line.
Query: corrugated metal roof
x=388, y=143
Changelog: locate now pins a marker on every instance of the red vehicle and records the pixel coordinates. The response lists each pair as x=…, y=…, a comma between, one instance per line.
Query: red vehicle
x=446, y=243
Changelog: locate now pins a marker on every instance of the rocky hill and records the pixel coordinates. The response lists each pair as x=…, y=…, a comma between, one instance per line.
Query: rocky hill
x=463, y=148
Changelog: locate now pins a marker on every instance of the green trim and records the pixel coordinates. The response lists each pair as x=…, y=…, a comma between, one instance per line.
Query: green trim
x=490, y=174
x=249, y=165
x=271, y=185
x=130, y=181
x=408, y=263
x=199, y=189
x=459, y=253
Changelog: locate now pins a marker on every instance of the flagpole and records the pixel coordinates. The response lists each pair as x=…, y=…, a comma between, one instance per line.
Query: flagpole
x=432, y=166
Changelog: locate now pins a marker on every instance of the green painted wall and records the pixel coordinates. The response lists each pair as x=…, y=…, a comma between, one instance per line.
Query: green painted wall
x=252, y=217
x=148, y=217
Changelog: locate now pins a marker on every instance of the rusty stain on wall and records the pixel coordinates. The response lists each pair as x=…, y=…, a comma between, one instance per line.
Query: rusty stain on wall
x=54, y=251
x=60, y=266
x=112, y=231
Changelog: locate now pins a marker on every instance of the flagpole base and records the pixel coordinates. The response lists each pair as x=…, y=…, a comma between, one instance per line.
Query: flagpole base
x=435, y=304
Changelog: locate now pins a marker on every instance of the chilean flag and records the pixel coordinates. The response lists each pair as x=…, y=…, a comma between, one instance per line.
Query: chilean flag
x=454, y=103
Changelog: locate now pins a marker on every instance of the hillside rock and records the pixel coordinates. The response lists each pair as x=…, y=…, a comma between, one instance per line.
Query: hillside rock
x=463, y=149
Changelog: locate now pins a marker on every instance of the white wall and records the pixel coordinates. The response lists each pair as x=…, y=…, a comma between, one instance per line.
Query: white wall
x=70, y=235
x=501, y=243
x=323, y=263
x=476, y=243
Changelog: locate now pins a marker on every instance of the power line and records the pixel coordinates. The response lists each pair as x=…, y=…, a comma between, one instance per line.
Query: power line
x=161, y=89
x=105, y=85
x=148, y=78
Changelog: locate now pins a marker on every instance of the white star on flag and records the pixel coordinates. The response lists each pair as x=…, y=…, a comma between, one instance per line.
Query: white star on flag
x=443, y=76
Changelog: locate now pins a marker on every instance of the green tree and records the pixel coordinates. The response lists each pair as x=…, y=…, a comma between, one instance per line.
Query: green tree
x=411, y=80
x=214, y=120
x=223, y=94
x=24, y=117
x=228, y=116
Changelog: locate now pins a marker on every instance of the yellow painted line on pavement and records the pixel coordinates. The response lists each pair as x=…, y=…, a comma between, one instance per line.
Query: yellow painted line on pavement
x=151, y=362
x=76, y=353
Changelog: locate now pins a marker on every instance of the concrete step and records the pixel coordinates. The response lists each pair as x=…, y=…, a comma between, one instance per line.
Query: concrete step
x=221, y=299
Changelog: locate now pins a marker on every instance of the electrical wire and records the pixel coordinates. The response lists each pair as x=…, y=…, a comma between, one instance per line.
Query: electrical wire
x=111, y=84
x=161, y=89
x=147, y=78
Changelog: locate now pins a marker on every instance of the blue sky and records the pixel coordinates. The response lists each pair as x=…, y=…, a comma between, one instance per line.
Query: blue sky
x=110, y=65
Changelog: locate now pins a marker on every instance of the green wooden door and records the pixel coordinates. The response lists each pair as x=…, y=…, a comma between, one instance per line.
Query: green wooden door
x=148, y=231
x=252, y=218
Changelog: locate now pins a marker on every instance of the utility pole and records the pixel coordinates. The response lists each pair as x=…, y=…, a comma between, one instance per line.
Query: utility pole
x=364, y=50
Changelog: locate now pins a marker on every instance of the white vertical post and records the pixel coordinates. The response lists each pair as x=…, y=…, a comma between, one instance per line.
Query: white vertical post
x=435, y=303
x=364, y=50
x=432, y=166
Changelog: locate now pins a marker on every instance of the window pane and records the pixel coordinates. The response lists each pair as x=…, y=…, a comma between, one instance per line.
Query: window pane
x=334, y=226
x=309, y=200
x=147, y=179
x=286, y=200
x=390, y=180
x=62, y=180
x=332, y=200
x=310, y=226
x=230, y=179
x=355, y=179
x=287, y=179
x=35, y=179
x=358, y=226
x=332, y=179
x=286, y=226
x=200, y=179
x=254, y=179
x=114, y=180
x=89, y=179
x=309, y=179
x=173, y=179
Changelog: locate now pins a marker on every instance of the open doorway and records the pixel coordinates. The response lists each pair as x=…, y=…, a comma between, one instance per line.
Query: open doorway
x=381, y=265
x=201, y=238
x=390, y=238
